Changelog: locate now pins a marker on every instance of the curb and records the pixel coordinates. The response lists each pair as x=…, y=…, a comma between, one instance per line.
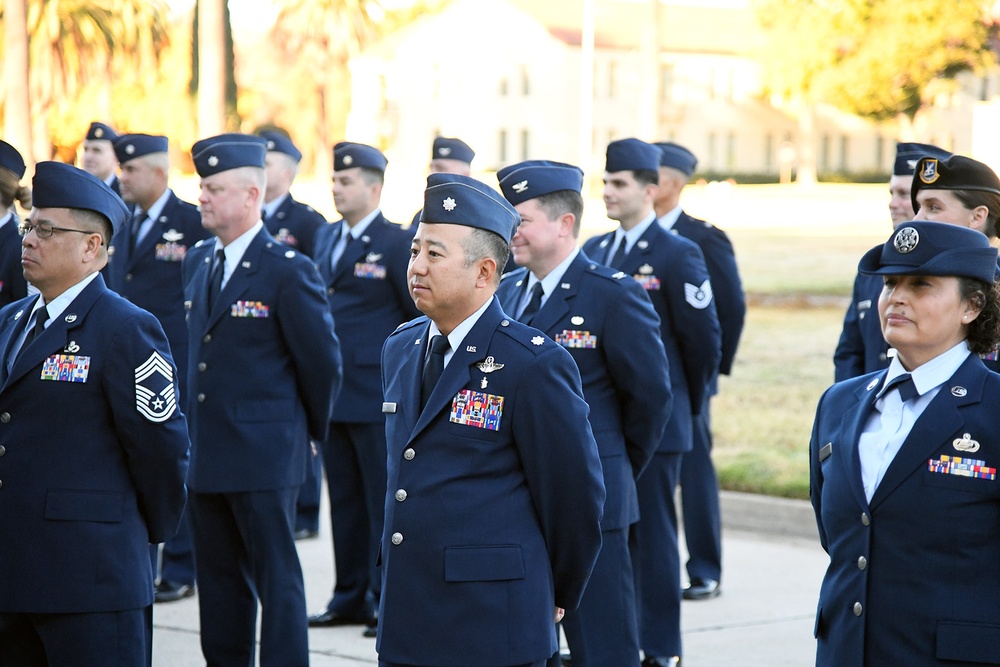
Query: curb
x=767, y=515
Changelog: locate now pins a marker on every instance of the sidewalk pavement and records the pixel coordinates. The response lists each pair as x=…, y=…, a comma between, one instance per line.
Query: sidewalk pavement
x=772, y=568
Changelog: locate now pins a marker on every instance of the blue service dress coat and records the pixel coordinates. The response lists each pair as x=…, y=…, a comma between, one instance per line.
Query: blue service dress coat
x=13, y=286
x=914, y=575
x=609, y=327
x=150, y=274
x=672, y=270
x=264, y=368
x=295, y=225
x=861, y=348
x=95, y=452
x=369, y=298
x=492, y=514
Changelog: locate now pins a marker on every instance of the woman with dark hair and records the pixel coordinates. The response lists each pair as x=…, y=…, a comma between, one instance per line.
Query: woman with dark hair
x=12, y=283
x=903, y=466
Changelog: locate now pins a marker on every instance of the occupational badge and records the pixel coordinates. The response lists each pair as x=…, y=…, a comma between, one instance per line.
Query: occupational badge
x=646, y=269
x=172, y=236
x=489, y=365
x=72, y=348
x=576, y=320
x=154, y=389
x=906, y=240
x=700, y=296
x=966, y=444
x=373, y=257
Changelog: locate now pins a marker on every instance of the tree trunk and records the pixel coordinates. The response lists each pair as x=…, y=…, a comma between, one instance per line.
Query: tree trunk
x=805, y=173
x=211, y=68
x=17, y=111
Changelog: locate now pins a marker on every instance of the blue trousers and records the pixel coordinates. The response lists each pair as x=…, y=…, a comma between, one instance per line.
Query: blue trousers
x=105, y=639
x=700, y=502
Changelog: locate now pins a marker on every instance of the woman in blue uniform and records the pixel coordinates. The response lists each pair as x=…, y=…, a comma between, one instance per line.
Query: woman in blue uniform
x=903, y=466
x=12, y=283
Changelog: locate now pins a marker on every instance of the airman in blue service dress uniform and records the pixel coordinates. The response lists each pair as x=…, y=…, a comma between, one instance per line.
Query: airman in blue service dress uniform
x=294, y=224
x=861, y=348
x=362, y=260
x=94, y=446
x=673, y=272
x=13, y=286
x=264, y=368
x=699, y=483
x=449, y=155
x=607, y=323
x=144, y=266
x=99, y=156
x=493, y=508
x=903, y=467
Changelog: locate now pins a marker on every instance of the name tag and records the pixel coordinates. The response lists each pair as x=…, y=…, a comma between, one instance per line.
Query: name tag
x=388, y=408
x=66, y=368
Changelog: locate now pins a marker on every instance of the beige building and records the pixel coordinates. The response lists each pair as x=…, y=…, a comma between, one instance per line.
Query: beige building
x=506, y=76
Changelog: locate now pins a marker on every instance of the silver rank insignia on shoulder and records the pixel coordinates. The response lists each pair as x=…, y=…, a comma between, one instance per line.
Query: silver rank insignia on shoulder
x=643, y=244
x=872, y=384
x=373, y=257
x=72, y=348
x=959, y=391
x=645, y=269
x=576, y=320
x=966, y=444
x=698, y=296
x=172, y=235
x=537, y=340
x=619, y=275
x=489, y=365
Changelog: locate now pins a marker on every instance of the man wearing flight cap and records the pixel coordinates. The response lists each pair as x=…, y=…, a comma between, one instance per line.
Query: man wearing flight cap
x=263, y=370
x=607, y=323
x=294, y=224
x=699, y=484
x=449, y=155
x=861, y=348
x=673, y=272
x=12, y=168
x=492, y=514
x=362, y=260
x=289, y=221
x=99, y=155
x=144, y=266
x=95, y=448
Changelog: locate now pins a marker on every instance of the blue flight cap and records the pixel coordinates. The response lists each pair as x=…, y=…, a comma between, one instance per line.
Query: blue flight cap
x=347, y=155
x=451, y=148
x=677, y=157
x=954, y=172
x=101, y=132
x=130, y=146
x=632, y=155
x=451, y=199
x=228, y=151
x=59, y=185
x=534, y=178
x=11, y=160
x=279, y=143
x=933, y=249
x=907, y=156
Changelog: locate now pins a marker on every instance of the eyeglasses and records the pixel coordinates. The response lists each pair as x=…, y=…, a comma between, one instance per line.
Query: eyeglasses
x=44, y=230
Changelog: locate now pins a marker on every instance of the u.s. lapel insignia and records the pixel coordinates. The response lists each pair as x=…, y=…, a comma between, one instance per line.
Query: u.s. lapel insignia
x=565, y=285
x=604, y=243
x=154, y=389
x=416, y=342
x=72, y=348
x=489, y=365
x=959, y=391
x=172, y=236
x=18, y=314
x=366, y=238
x=643, y=244
x=71, y=318
x=966, y=444
x=576, y=320
x=646, y=270
x=872, y=385
x=245, y=265
x=470, y=348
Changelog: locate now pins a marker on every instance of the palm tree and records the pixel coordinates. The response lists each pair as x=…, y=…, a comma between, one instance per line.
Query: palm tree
x=210, y=51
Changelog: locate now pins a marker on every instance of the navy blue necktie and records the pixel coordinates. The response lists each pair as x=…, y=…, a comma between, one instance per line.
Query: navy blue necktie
x=215, y=280
x=433, y=367
x=619, y=256
x=40, y=317
x=904, y=384
x=136, y=226
x=533, y=304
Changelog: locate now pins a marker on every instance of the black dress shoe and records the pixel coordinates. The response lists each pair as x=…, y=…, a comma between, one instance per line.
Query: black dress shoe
x=702, y=589
x=306, y=534
x=566, y=658
x=371, y=630
x=168, y=591
x=329, y=619
x=661, y=661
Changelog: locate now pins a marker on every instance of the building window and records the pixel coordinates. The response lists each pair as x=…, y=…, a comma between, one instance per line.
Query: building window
x=768, y=152
x=845, y=143
x=824, y=153
x=525, y=145
x=731, y=150
x=525, y=80
x=666, y=82
x=503, y=146
x=879, y=151
x=711, y=150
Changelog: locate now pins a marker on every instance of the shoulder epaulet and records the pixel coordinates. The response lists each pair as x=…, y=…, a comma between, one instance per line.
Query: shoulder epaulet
x=515, y=272
x=528, y=337
x=605, y=272
x=204, y=241
x=403, y=326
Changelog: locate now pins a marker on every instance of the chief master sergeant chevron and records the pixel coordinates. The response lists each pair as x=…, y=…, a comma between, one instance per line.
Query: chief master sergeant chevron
x=94, y=449
x=495, y=493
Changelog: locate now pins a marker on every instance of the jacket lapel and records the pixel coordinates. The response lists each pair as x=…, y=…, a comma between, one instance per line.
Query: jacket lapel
x=356, y=250
x=935, y=426
x=854, y=423
x=239, y=282
x=643, y=247
x=559, y=302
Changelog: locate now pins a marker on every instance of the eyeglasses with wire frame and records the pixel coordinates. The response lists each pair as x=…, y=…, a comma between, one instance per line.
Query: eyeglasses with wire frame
x=44, y=230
